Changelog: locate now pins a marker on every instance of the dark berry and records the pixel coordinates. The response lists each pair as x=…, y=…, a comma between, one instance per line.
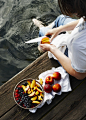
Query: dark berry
x=26, y=99
x=25, y=84
x=27, y=106
x=21, y=103
x=30, y=101
x=16, y=98
x=21, y=89
x=21, y=92
x=18, y=101
x=26, y=94
x=20, y=95
x=22, y=99
x=18, y=88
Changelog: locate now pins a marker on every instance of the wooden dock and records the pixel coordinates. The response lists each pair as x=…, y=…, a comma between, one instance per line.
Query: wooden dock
x=68, y=106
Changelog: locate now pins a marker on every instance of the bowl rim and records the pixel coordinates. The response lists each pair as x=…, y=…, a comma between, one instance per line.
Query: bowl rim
x=20, y=83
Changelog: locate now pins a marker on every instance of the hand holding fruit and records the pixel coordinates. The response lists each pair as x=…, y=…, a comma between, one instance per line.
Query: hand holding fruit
x=45, y=40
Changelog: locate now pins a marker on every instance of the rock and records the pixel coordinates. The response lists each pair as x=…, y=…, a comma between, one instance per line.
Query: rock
x=16, y=27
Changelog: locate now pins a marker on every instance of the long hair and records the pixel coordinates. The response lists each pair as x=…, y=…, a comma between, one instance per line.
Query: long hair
x=71, y=7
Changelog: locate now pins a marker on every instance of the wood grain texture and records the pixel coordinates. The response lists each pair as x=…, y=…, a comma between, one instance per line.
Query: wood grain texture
x=40, y=65
x=73, y=107
x=10, y=111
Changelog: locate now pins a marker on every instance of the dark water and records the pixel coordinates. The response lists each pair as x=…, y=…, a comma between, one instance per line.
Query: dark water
x=16, y=27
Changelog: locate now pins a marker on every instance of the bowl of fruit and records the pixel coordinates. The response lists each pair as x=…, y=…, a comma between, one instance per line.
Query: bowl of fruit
x=28, y=94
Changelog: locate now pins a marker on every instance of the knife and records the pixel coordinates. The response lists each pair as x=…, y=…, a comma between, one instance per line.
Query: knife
x=35, y=40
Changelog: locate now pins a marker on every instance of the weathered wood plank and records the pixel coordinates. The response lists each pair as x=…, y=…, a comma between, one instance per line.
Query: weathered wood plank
x=73, y=107
x=84, y=118
x=31, y=71
x=18, y=113
x=9, y=110
x=78, y=112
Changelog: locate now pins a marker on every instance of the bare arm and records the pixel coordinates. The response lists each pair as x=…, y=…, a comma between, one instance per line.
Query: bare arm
x=54, y=32
x=64, y=60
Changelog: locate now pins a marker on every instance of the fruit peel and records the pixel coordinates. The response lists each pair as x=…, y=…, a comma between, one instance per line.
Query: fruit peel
x=56, y=76
x=47, y=88
x=56, y=87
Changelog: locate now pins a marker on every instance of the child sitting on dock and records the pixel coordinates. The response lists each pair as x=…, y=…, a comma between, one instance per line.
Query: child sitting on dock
x=75, y=62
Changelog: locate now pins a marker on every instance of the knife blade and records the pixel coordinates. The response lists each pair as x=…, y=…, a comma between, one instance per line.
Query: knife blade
x=35, y=40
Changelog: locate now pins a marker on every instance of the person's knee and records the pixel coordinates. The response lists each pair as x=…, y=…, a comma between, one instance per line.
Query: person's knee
x=43, y=31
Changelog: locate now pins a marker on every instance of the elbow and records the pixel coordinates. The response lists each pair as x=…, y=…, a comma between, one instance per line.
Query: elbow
x=79, y=78
x=77, y=75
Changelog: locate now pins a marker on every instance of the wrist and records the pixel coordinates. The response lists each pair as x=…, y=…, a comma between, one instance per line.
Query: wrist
x=52, y=48
x=61, y=28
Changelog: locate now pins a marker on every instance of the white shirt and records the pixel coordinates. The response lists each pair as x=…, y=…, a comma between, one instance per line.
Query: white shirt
x=76, y=44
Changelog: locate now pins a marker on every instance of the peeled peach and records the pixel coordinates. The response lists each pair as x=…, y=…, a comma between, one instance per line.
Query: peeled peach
x=45, y=40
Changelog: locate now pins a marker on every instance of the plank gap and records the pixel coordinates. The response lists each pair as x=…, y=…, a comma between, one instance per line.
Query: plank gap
x=8, y=111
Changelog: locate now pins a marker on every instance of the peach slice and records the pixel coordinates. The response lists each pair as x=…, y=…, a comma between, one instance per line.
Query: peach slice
x=33, y=84
x=29, y=82
x=37, y=102
x=39, y=98
x=34, y=98
x=41, y=94
x=27, y=87
x=41, y=81
x=35, y=88
x=37, y=85
x=39, y=90
x=24, y=88
x=32, y=94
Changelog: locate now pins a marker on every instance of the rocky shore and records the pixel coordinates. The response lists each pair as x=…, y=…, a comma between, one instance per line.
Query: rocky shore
x=16, y=27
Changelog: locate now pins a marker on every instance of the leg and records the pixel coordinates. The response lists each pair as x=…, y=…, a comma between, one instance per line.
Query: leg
x=43, y=31
x=62, y=20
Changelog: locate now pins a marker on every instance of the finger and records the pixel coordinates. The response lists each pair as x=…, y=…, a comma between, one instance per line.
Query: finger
x=47, y=34
x=51, y=38
x=41, y=45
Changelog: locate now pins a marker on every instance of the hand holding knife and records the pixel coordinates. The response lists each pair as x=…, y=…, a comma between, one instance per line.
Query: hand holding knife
x=37, y=39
